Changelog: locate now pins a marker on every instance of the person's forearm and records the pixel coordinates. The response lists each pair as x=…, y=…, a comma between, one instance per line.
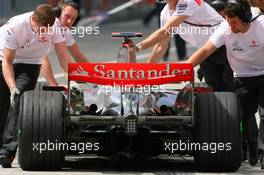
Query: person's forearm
x=8, y=72
x=200, y=55
x=64, y=61
x=63, y=56
x=81, y=59
x=7, y=68
x=47, y=72
x=154, y=38
x=162, y=33
x=77, y=54
x=158, y=51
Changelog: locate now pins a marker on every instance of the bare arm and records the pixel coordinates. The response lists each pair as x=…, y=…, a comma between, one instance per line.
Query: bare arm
x=46, y=70
x=63, y=56
x=163, y=32
x=77, y=54
x=201, y=54
x=158, y=51
x=8, y=70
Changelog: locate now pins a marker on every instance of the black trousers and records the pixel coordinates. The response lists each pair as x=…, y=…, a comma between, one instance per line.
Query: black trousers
x=4, y=104
x=251, y=93
x=217, y=71
x=26, y=76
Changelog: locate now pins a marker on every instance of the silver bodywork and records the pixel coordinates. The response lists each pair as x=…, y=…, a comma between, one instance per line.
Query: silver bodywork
x=120, y=103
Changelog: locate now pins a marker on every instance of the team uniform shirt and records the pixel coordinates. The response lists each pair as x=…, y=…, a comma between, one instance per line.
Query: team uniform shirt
x=30, y=48
x=69, y=39
x=245, y=51
x=199, y=13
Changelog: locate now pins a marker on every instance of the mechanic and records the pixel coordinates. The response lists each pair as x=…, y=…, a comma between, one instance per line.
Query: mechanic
x=68, y=13
x=25, y=40
x=219, y=6
x=258, y=8
x=191, y=15
x=243, y=36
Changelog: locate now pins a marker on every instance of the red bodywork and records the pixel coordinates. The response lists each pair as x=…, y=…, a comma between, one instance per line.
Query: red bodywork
x=130, y=73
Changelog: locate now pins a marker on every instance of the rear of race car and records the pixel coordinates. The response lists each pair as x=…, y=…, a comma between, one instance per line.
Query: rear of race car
x=126, y=110
x=129, y=109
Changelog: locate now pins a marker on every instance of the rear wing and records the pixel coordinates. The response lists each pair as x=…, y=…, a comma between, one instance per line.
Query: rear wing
x=138, y=74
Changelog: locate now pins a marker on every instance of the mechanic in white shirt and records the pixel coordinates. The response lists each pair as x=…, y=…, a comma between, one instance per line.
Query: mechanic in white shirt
x=68, y=14
x=243, y=36
x=194, y=21
x=24, y=40
x=258, y=9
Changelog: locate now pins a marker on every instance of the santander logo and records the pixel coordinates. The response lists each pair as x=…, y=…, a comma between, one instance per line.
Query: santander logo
x=130, y=73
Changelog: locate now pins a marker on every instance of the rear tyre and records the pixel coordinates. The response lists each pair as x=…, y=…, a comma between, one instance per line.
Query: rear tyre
x=198, y=85
x=218, y=132
x=41, y=127
x=40, y=84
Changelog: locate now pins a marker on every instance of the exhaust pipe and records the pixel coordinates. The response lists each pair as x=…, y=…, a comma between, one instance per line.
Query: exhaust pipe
x=93, y=108
x=164, y=109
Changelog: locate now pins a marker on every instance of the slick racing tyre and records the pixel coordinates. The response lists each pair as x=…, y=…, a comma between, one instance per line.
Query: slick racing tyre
x=217, y=130
x=39, y=85
x=198, y=85
x=41, y=126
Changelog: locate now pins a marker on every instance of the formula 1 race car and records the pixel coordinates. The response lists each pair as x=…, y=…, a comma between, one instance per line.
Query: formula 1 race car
x=128, y=109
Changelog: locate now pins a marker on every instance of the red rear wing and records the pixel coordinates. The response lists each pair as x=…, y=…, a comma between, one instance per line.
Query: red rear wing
x=130, y=74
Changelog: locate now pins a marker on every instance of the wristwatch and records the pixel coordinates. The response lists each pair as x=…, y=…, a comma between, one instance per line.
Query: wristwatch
x=138, y=47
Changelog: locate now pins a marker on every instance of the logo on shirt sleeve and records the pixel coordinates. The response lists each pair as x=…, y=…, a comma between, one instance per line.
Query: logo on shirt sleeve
x=10, y=31
x=10, y=34
x=7, y=40
x=254, y=44
x=182, y=7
